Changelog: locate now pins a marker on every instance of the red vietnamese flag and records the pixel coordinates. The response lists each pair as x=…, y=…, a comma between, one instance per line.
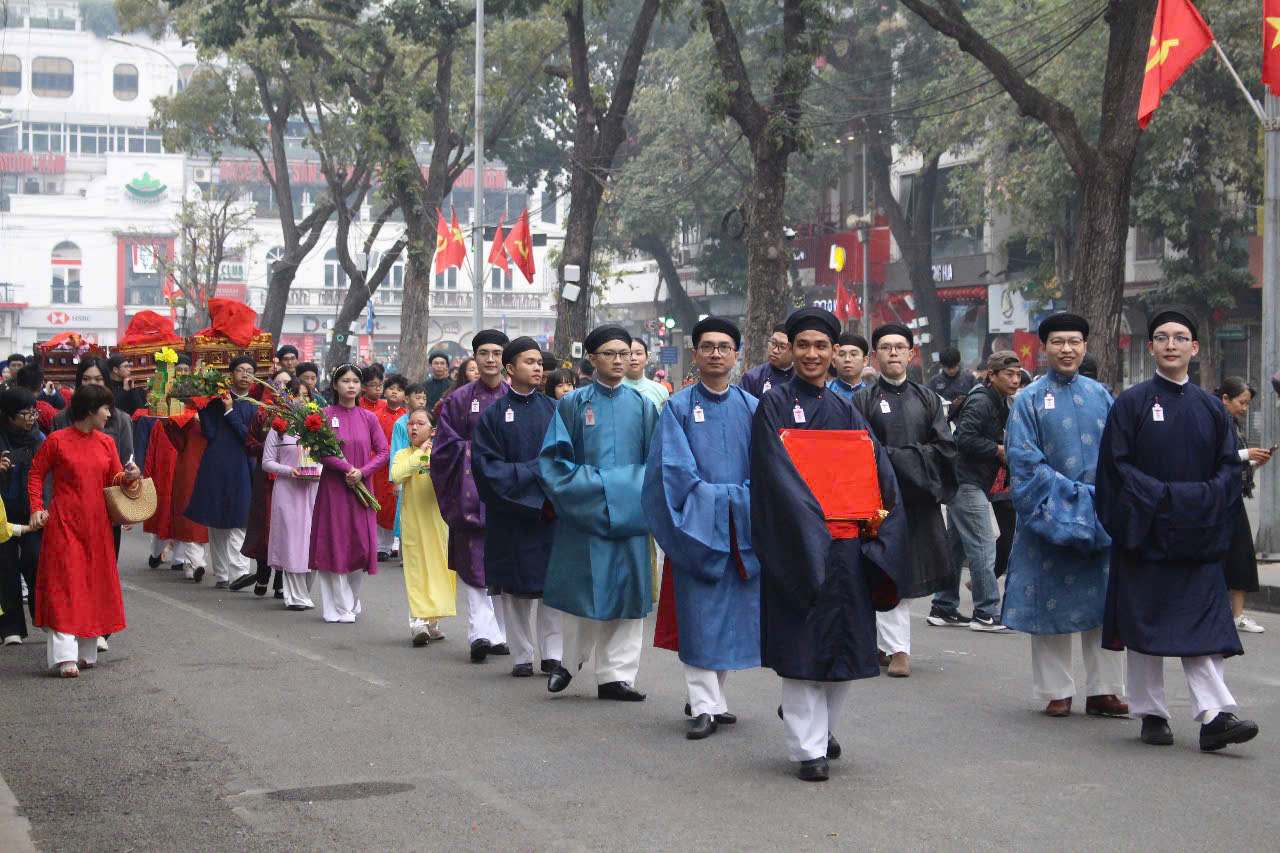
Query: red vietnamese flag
x=1271, y=45
x=498, y=254
x=519, y=246
x=1027, y=347
x=842, y=300
x=1178, y=36
x=457, y=250
x=442, y=244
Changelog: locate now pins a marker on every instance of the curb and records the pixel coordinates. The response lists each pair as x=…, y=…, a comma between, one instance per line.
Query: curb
x=15, y=830
x=1266, y=598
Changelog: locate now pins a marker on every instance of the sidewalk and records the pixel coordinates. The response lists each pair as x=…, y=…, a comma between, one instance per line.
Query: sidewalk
x=1268, y=597
x=15, y=830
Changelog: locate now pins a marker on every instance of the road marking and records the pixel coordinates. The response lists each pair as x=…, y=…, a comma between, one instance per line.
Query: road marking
x=254, y=635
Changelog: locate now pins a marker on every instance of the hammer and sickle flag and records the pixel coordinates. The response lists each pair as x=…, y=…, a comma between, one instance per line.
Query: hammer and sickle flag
x=1178, y=36
x=519, y=246
x=498, y=253
x=442, y=244
x=1271, y=45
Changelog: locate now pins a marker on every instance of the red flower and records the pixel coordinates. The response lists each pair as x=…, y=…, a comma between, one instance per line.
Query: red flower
x=279, y=424
x=314, y=423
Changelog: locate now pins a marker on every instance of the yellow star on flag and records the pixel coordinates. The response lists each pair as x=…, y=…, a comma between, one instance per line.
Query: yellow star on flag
x=1275, y=22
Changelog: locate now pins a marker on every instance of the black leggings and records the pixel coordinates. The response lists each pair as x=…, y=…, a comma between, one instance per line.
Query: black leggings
x=18, y=560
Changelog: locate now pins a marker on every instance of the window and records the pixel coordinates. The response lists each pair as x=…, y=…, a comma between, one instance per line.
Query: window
x=498, y=280
x=124, y=82
x=549, y=207
x=957, y=227
x=185, y=72
x=44, y=137
x=66, y=274
x=1148, y=244
x=448, y=279
x=91, y=139
x=52, y=77
x=10, y=74
x=334, y=275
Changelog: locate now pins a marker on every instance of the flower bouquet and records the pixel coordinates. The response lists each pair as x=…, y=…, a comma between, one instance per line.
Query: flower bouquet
x=305, y=421
x=197, y=384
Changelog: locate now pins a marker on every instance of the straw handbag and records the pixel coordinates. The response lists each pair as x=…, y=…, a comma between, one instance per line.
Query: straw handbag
x=126, y=510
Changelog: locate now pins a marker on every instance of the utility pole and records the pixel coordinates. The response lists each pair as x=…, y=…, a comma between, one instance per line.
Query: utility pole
x=866, y=250
x=477, y=207
x=1268, y=541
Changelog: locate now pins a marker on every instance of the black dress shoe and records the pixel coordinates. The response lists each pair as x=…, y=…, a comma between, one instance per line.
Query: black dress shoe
x=480, y=650
x=280, y=594
x=619, y=691
x=154, y=562
x=833, y=746
x=522, y=670
x=558, y=680
x=701, y=726
x=260, y=589
x=780, y=717
x=383, y=556
x=243, y=581
x=725, y=719
x=1156, y=731
x=300, y=607
x=177, y=567
x=814, y=770
x=500, y=649
x=1226, y=729
x=198, y=574
x=550, y=666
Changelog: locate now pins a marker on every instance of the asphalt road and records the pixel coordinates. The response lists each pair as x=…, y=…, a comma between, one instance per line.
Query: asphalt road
x=220, y=721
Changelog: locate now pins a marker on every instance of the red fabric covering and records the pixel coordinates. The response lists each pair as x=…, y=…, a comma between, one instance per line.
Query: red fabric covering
x=666, y=631
x=839, y=467
x=233, y=320
x=72, y=338
x=77, y=583
x=183, y=432
x=149, y=328
x=383, y=489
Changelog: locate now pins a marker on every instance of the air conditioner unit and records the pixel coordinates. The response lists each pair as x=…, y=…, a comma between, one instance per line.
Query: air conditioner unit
x=202, y=175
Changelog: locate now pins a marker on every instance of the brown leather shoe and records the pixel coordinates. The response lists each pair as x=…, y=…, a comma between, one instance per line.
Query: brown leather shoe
x=1058, y=708
x=1106, y=705
x=899, y=665
x=884, y=659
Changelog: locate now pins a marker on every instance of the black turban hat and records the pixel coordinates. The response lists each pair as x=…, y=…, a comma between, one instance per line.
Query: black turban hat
x=892, y=329
x=813, y=319
x=717, y=324
x=1063, y=322
x=1171, y=317
x=488, y=336
x=601, y=335
x=522, y=344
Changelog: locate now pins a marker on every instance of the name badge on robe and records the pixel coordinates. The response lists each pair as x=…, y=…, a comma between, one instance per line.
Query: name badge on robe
x=334, y=422
x=767, y=386
x=590, y=417
x=884, y=406
x=1048, y=402
x=475, y=407
x=510, y=416
x=698, y=415
x=797, y=414
x=1157, y=412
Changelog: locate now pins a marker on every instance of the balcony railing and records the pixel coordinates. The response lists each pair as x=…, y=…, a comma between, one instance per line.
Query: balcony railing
x=462, y=299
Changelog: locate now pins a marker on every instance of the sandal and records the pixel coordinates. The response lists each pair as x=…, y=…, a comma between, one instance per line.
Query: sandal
x=68, y=670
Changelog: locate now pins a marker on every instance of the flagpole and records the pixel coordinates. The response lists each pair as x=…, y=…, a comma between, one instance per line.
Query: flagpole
x=1253, y=103
x=1268, y=541
x=477, y=207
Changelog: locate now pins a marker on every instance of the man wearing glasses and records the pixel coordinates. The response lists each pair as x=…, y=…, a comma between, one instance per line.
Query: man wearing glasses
x=1168, y=492
x=592, y=468
x=697, y=502
x=776, y=370
x=909, y=421
x=1057, y=582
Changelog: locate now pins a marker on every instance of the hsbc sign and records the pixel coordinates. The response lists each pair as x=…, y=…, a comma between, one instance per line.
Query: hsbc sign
x=69, y=319
x=58, y=318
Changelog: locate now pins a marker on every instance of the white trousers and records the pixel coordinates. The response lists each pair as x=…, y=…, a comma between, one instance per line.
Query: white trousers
x=1209, y=693
x=893, y=629
x=68, y=648
x=190, y=554
x=706, y=690
x=810, y=710
x=297, y=588
x=484, y=621
x=340, y=595
x=1051, y=666
x=518, y=621
x=386, y=541
x=225, y=558
x=615, y=644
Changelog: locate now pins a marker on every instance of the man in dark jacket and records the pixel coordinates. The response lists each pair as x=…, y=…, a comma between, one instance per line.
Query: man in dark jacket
x=951, y=382
x=980, y=438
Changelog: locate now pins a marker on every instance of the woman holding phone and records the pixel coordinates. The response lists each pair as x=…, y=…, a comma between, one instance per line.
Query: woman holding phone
x=1242, y=562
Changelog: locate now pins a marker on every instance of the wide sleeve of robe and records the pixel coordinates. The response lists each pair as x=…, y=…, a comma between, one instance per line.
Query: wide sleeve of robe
x=451, y=465
x=928, y=467
x=602, y=501
x=271, y=455
x=687, y=515
x=513, y=485
x=1054, y=507
x=1166, y=520
x=404, y=464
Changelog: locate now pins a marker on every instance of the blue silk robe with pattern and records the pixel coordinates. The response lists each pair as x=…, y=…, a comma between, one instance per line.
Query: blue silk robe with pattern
x=592, y=469
x=1057, y=581
x=698, y=504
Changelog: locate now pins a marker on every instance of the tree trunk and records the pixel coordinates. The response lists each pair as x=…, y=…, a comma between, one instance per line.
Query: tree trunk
x=686, y=310
x=768, y=288
x=579, y=237
x=339, y=351
x=415, y=310
x=279, y=281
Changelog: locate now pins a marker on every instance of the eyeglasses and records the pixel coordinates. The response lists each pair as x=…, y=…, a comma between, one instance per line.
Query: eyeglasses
x=1075, y=343
x=778, y=346
x=614, y=354
x=887, y=348
x=29, y=414
x=722, y=349
x=1162, y=338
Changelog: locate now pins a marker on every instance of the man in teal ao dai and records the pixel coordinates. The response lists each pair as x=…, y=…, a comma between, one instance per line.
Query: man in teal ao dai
x=592, y=468
x=1057, y=582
